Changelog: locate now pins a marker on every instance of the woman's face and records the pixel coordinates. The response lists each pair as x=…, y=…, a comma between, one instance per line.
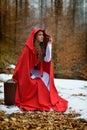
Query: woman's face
x=39, y=36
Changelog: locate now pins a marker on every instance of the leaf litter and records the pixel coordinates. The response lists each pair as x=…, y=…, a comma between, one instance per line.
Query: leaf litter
x=37, y=120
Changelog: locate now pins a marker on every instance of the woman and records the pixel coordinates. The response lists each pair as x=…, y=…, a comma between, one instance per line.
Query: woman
x=35, y=89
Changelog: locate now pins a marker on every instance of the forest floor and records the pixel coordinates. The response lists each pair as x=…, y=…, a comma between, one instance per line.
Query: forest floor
x=75, y=118
x=36, y=120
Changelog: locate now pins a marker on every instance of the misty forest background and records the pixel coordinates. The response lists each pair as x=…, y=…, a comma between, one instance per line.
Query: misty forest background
x=65, y=20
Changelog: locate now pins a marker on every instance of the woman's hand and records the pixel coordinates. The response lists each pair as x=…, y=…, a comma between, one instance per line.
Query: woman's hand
x=50, y=39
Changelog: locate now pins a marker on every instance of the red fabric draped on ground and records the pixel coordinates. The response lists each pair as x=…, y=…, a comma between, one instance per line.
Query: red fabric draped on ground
x=32, y=94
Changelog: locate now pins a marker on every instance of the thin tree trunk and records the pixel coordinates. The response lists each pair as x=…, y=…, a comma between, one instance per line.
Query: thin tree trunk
x=4, y=7
x=9, y=20
x=41, y=1
x=0, y=21
x=15, y=29
x=52, y=6
x=25, y=12
x=74, y=12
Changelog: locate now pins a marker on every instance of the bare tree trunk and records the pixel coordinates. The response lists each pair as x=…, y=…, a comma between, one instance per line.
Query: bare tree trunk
x=41, y=15
x=21, y=7
x=74, y=12
x=26, y=12
x=4, y=7
x=6, y=18
x=58, y=10
x=86, y=32
x=52, y=6
x=9, y=20
x=15, y=29
x=0, y=21
x=45, y=13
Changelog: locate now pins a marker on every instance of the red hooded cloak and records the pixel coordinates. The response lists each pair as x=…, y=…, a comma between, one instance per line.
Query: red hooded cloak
x=32, y=94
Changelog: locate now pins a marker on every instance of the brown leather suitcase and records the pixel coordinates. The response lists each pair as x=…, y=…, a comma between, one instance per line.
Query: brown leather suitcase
x=9, y=92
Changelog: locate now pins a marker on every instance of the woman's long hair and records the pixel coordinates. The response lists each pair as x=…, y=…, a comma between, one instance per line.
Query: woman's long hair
x=42, y=45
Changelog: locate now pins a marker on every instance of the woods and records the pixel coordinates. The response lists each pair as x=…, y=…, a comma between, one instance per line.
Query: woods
x=65, y=20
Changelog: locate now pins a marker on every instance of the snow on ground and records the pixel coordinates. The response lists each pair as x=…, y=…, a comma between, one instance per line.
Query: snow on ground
x=75, y=91
x=5, y=77
x=10, y=66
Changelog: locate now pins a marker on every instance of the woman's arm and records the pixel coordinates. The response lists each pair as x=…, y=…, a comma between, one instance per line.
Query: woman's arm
x=48, y=55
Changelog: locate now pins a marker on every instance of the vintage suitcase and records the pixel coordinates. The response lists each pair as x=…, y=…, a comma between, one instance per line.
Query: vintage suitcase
x=9, y=92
